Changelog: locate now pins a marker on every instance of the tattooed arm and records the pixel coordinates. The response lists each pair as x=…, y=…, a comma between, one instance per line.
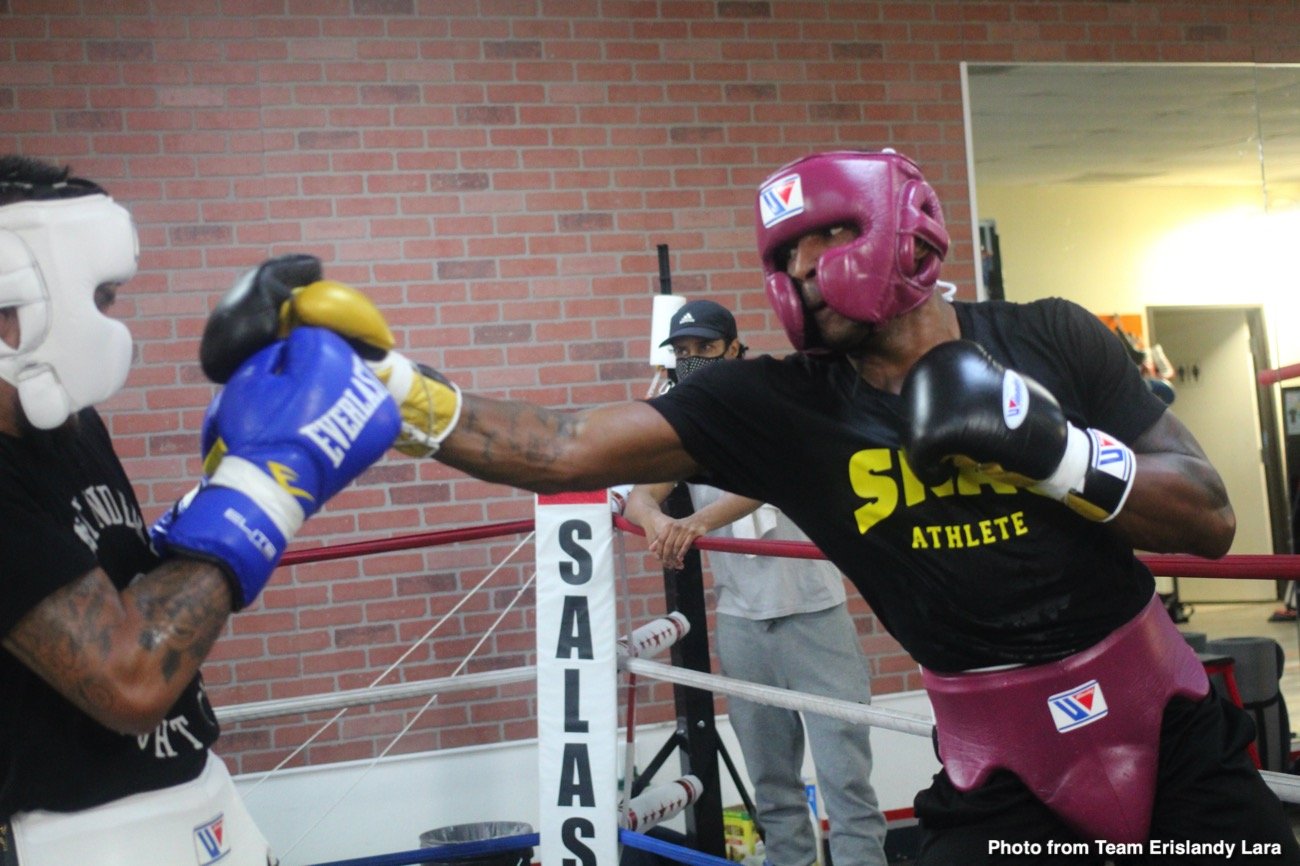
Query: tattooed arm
x=550, y=451
x=125, y=657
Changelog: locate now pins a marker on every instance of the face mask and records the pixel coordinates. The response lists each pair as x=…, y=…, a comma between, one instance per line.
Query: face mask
x=687, y=366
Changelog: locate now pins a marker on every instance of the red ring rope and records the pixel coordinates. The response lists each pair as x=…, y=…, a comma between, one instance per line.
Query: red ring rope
x=1272, y=377
x=406, y=542
x=1240, y=567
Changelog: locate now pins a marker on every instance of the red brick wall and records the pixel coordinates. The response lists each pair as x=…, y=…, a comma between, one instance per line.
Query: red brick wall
x=497, y=174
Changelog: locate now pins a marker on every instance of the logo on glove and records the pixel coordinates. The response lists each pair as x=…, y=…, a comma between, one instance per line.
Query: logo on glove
x=255, y=536
x=1015, y=400
x=285, y=476
x=335, y=431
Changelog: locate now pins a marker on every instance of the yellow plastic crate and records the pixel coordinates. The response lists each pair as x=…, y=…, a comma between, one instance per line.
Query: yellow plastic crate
x=740, y=832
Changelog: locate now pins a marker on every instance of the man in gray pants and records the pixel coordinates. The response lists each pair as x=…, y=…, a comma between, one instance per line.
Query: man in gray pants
x=780, y=622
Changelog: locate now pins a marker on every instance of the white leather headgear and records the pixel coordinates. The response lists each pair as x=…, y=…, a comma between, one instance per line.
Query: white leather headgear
x=53, y=255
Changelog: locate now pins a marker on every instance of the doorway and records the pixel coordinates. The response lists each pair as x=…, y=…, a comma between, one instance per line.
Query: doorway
x=1216, y=353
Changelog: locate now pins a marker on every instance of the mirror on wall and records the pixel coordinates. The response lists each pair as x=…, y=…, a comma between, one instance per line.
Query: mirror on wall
x=1157, y=195
x=1199, y=152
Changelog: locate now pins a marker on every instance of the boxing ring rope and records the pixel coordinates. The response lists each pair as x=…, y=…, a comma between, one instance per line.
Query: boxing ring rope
x=416, y=717
x=1278, y=374
x=405, y=542
x=375, y=693
x=358, y=697
x=1285, y=567
x=370, y=695
x=848, y=711
x=1243, y=566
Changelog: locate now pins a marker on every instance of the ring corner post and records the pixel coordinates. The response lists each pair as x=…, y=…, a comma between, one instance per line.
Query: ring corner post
x=577, y=680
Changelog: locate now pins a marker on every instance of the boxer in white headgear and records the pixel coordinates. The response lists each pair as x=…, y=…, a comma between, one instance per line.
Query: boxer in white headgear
x=61, y=255
x=106, y=732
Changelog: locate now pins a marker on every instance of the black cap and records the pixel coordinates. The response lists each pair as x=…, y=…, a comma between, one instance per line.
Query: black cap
x=707, y=319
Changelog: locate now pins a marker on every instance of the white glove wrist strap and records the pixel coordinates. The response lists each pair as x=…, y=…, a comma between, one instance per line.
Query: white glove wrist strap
x=1072, y=469
x=278, y=504
x=400, y=374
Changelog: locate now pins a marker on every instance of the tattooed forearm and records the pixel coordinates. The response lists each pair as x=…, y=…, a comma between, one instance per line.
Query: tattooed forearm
x=548, y=450
x=182, y=612
x=510, y=441
x=124, y=657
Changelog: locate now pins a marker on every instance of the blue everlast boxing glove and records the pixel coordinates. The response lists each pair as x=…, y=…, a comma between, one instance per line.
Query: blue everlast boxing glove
x=295, y=423
x=212, y=449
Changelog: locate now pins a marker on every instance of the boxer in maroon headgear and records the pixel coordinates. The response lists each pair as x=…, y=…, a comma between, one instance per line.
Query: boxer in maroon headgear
x=892, y=265
x=982, y=473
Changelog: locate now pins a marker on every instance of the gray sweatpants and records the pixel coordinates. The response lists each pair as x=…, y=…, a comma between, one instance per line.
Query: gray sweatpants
x=817, y=653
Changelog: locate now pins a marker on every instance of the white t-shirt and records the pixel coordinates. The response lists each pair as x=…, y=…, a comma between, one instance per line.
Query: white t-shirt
x=766, y=587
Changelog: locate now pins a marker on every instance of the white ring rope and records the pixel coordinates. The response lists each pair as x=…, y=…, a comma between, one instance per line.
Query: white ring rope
x=1286, y=786
x=410, y=649
x=848, y=711
x=373, y=695
x=370, y=765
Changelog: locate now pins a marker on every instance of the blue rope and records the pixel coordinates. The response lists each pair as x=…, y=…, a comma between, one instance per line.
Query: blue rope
x=688, y=856
x=464, y=850
x=458, y=851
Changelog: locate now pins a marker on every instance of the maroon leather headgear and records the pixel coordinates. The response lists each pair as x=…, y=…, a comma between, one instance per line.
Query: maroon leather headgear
x=873, y=278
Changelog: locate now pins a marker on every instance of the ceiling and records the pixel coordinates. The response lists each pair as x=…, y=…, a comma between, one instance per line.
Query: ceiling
x=1141, y=124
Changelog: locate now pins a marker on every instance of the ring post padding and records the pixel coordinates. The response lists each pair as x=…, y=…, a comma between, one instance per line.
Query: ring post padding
x=660, y=321
x=577, y=680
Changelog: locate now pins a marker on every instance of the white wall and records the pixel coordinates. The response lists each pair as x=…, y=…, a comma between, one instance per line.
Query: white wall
x=1124, y=248
x=385, y=807
x=1213, y=403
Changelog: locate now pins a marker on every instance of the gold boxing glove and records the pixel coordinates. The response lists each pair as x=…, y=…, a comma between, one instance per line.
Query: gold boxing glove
x=430, y=403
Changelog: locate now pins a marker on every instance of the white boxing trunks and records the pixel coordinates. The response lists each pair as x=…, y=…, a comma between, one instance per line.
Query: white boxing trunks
x=194, y=824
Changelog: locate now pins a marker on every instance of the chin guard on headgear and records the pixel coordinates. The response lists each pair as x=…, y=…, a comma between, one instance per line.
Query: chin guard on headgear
x=54, y=253
x=873, y=278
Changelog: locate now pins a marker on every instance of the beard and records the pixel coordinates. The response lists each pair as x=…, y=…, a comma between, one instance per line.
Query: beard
x=846, y=337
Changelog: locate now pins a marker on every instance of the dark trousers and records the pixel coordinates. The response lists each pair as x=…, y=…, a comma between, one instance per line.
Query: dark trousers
x=1208, y=791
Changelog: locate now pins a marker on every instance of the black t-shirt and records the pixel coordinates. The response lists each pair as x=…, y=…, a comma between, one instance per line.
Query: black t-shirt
x=966, y=574
x=66, y=506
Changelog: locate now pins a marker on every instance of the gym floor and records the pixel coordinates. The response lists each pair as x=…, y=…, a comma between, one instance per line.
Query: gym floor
x=1232, y=619
x=1251, y=619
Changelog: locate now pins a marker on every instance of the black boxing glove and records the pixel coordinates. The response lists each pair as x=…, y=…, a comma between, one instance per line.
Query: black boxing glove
x=247, y=318
x=287, y=292
x=962, y=408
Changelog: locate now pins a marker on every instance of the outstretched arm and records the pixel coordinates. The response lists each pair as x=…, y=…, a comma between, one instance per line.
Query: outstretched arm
x=125, y=657
x=1178, y=503
x=550, y=451
x=509, y=442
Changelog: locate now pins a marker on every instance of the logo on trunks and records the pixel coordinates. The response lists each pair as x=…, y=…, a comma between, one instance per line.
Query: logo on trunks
x=210, y=842
x=780, y=199
x=1081, y=705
